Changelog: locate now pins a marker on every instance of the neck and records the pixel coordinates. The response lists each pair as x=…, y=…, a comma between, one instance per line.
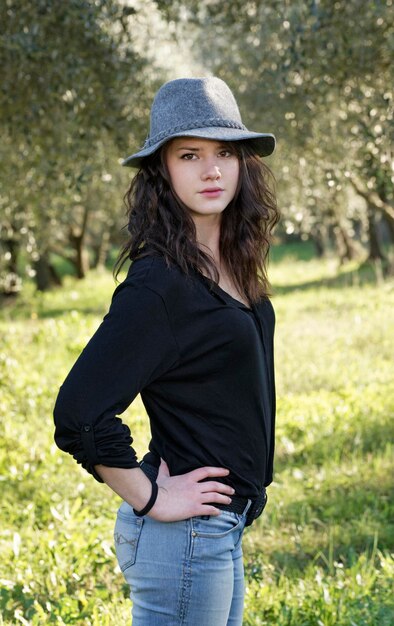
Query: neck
x=208, y=239
x=208, y=236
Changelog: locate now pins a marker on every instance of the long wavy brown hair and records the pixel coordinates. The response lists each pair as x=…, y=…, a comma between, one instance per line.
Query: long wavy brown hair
x=159, y=223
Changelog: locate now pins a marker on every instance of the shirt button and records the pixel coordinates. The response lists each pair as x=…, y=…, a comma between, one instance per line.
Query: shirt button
x=87, y=428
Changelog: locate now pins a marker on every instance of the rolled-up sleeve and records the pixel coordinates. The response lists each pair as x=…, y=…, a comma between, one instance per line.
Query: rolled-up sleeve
x=133, y=346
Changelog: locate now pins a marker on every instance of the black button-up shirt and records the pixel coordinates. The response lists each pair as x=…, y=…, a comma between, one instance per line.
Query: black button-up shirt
x=203, y=364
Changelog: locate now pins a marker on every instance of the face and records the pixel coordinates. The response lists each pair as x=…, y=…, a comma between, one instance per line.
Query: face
x=204, y=174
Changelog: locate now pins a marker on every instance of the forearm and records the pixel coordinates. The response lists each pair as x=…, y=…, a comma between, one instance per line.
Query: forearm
x=130, y=484
x=179, y=497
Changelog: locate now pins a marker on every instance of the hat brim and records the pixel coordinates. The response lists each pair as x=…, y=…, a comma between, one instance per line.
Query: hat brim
x=264, y=143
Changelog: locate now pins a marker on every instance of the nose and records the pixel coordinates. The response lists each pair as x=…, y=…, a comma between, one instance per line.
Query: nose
x=211, y=171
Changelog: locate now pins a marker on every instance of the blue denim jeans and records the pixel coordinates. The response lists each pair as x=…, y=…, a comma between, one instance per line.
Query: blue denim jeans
x=187, y=573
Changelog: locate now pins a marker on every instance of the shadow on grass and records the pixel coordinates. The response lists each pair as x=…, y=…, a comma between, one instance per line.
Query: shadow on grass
x=337, y=522
x=22, y=306
x=15, y=598
x=299, y=251
x=362, y=437
x=366, y=274
x=32, y=311
x=49, y=313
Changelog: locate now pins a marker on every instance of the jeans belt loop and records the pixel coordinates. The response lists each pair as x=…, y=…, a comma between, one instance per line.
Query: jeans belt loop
x=247, y=507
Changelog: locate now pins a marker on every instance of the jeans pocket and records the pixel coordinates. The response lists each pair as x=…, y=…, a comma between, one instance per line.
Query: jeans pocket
x=126, y=536
x=217, y=526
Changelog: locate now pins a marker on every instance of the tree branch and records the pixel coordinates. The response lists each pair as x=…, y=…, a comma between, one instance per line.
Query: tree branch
x=372, y=197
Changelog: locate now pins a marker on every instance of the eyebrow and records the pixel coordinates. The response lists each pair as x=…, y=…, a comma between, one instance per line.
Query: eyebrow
x=220, y=145
x=188, y=148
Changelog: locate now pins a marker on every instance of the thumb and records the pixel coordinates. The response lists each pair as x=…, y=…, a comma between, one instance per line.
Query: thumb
x=163, y=469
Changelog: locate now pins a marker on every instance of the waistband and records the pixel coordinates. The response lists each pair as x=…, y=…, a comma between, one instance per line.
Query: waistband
x=252, y=508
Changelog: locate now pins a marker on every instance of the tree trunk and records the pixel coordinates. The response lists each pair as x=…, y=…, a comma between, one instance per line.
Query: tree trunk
x=81, y=258
x=375, y=250
x=46, y=275
x=389, y=221
x=77, y=240
x=346, y=248
x=373, y=198
x=10, y=281
x=319, y=238
x=12, y=247
x=101, y=250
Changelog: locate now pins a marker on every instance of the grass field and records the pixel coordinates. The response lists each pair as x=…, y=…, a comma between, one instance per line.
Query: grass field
x=321, y=555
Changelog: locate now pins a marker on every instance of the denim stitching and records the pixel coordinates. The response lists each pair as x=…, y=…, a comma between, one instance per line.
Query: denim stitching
x=186, y=582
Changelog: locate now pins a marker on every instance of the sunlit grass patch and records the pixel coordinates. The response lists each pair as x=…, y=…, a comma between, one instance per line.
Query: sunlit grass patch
x=336, y=596
x=319, y=555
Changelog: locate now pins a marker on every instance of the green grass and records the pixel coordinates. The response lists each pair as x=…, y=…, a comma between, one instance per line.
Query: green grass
x=321, y=555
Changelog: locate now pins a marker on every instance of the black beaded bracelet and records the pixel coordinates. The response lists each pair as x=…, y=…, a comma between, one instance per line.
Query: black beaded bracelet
x=151, y=501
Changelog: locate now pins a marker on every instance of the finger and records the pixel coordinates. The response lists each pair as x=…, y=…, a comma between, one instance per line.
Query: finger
x=206, y=472
x=213, y=496
x=216, y=486
x=210, y=510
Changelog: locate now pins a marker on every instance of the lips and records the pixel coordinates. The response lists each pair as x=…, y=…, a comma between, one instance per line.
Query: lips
x=211, y=192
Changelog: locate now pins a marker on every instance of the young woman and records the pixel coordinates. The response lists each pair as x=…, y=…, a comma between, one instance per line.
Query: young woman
x=191, y=330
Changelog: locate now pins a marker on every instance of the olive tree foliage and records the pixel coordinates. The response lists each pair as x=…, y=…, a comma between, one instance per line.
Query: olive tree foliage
x=317, y=73
x=73, y=90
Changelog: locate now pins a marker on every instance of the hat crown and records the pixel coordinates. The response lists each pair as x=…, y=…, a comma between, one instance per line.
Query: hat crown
x=197, y=107
x=188, y=103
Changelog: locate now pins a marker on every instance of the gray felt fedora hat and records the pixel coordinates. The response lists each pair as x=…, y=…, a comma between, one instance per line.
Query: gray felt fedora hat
x=197, y=107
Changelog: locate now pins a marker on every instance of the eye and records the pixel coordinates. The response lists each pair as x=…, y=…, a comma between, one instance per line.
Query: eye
x=188, y=156
x=226, y=153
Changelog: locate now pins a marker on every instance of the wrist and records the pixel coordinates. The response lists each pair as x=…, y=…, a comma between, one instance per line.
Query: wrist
x=151, y=501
